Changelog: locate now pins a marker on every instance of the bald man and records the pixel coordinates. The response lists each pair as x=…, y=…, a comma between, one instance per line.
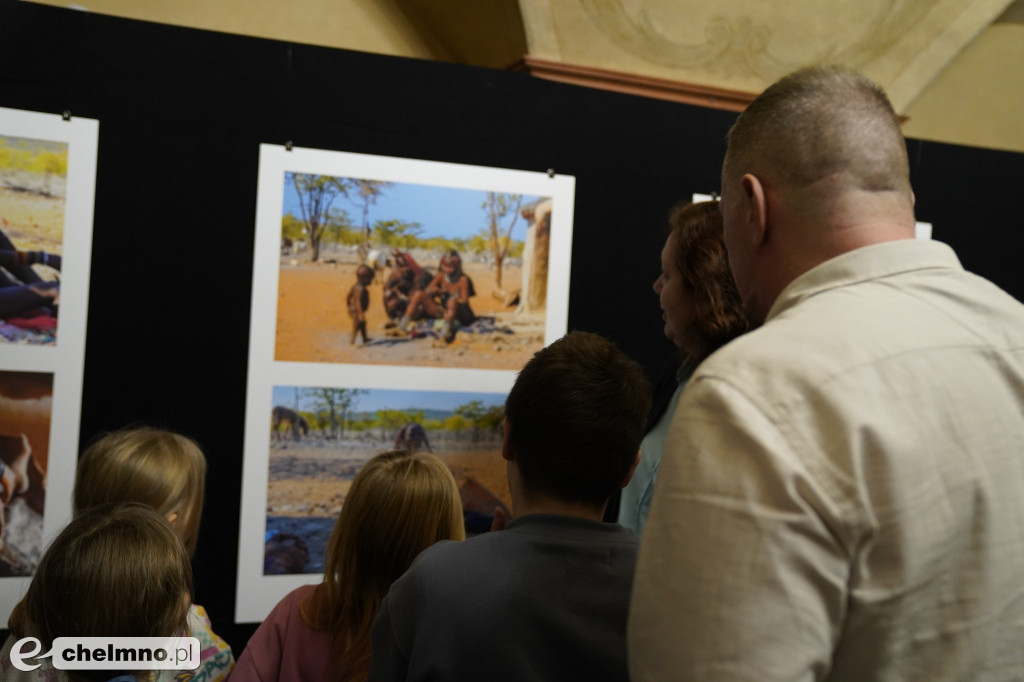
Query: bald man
x=842, y=491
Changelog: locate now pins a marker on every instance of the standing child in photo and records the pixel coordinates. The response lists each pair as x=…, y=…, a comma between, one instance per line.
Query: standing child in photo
x=359, y=301
x=114, y=571
x=165, y=471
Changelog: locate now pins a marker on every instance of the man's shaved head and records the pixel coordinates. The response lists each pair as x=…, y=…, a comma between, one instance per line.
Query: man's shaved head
x=816, y=123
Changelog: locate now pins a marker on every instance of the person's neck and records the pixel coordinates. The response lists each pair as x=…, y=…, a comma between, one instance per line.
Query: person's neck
x=832, y=224
x=545, y=505
x=803, y=239
x=524, y=502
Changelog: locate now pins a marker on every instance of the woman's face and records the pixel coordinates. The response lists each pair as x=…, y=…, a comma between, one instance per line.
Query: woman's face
x=677, y=308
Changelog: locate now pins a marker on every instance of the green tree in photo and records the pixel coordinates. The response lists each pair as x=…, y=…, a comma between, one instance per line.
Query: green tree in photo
x=49, y=164
x=389, y=421
x=397, y=234
x=492, y=420
x=480, y=242
x=340, y=229
x=498, y=208
x=472, y=412
x=516, y=248
x=442, y=244
x=335, y=404
x=457, y=425
x=292, y=228
x=316, y=194
x=366, y=194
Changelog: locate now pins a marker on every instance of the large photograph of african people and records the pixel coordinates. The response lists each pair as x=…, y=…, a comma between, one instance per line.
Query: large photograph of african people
x=397, y=273
x=393, y=302
x=320, y=437
x=47, y=188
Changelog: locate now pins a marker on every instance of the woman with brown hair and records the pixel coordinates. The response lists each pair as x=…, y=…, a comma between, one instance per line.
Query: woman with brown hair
x=702, y=311
x=399, y=504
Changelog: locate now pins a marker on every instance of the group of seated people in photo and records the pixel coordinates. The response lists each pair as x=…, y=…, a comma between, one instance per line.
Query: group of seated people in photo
x=411, y=293
x=836, y=493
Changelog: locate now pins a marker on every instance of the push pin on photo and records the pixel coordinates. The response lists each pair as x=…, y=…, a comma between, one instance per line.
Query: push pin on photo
x=551, y=172
x=66, y=114
x=288, y=146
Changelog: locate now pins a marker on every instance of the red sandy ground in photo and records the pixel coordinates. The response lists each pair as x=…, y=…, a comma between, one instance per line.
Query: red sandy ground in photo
x=313, y=323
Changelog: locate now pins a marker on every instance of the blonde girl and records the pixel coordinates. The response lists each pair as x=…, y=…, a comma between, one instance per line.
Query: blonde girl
x=399, y=504
x=114, y=571
x=165, y=471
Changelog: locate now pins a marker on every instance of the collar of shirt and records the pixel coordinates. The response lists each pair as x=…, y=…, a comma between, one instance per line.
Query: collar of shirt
x=866, y=263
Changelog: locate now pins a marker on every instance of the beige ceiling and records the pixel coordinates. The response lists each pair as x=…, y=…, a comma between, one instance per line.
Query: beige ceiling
x=747, y=44
x=955, y=68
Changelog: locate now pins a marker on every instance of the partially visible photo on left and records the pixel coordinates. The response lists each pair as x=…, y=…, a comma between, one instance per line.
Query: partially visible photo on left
x=25, y=406
x=33, y=185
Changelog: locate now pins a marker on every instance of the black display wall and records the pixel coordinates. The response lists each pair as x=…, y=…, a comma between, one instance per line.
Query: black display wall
x=182, y=113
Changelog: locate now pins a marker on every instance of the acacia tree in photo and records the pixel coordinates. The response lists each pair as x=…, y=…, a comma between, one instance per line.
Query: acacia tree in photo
x=338, y=229
x=292, y=228
x=397, y=233
x=337, y=403
x=316, y=193
x=367, y=193
x=49, y=164
x=392, y=420
x=492, y=421
x=498, y=207
x=472, y=412
x=456, y=425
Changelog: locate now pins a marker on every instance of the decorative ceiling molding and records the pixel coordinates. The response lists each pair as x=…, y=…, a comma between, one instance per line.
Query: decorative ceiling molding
x=745, y=44
x=647, y=86
x=742, y=47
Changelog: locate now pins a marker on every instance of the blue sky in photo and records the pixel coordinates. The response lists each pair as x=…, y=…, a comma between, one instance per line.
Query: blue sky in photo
x=378, y=399
x=441, y=211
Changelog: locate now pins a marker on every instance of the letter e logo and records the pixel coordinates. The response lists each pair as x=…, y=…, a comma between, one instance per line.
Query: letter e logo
x=18, y=658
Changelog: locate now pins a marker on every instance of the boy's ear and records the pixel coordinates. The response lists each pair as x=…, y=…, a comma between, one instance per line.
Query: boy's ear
x=506, y=445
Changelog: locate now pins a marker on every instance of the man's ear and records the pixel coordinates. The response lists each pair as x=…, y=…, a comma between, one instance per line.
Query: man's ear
x=632, y=470
x=506, y=445
x=757, y=208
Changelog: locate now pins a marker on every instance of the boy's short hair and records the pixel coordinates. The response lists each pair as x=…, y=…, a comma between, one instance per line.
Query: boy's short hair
x=576, y=416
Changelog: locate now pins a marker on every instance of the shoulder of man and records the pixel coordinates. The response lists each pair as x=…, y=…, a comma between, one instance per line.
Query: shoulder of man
x=451, y=562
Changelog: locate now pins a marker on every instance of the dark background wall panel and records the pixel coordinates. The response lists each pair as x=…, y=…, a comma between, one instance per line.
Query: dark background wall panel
x=182, y=113
x=974, y=198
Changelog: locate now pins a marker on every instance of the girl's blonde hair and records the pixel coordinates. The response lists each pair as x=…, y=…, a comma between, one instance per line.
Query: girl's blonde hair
x=164, y=470
x=399, y=504
x=114, y=571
